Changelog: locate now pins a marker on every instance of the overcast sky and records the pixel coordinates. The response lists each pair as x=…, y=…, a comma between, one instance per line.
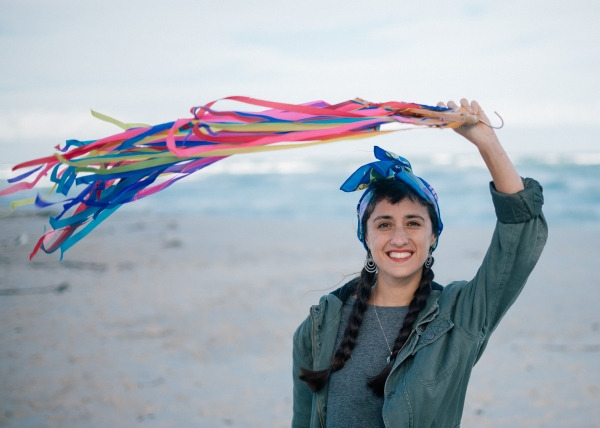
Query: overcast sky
x=535, y=61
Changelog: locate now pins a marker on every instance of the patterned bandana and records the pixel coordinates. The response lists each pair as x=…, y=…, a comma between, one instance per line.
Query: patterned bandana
x=389, y=167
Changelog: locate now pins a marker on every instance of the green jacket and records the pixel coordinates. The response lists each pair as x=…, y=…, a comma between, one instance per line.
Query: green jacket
x=428, y=382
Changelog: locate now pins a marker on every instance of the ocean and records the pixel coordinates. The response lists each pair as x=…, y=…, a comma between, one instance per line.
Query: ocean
x=301, y=185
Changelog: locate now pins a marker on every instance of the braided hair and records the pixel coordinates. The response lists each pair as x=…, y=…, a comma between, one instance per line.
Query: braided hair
x=394, y=192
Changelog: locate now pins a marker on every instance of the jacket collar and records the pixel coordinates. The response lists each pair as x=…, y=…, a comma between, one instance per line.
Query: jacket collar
x=348, y=289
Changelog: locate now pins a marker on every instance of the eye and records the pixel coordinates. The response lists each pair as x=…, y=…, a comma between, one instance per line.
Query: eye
x=413, y=223
x=383, y=225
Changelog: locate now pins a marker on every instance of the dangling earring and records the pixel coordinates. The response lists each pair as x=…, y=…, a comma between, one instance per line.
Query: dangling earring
x=370, y=265
x=429, y=260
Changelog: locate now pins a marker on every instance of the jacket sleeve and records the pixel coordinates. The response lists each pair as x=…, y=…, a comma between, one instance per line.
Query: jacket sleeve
x=302, y=358
x=517, y=243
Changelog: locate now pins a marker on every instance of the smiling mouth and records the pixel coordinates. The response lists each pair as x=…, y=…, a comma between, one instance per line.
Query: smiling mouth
x=399, y=255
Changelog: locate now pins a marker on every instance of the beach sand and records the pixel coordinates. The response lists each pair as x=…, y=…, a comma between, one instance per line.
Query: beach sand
x=187, y=322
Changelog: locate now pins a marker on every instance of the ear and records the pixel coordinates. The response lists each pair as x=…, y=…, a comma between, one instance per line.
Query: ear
x=433, y=241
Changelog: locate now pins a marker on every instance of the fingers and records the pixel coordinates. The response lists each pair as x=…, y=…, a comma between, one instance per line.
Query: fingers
x=464, y=103
x=474, y=108
x=451, y=104
x=471, y=107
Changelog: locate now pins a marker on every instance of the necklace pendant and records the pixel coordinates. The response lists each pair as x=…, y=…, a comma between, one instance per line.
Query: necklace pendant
x=389, y=358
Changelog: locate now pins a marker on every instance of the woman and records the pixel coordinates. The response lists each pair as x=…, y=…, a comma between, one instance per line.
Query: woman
x=392, y=348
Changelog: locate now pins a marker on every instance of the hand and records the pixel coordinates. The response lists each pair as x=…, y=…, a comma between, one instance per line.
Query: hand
x=504, y=174
x=479, y=134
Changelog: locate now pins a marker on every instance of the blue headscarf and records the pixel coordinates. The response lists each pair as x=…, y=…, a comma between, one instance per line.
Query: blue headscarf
x=389, y=167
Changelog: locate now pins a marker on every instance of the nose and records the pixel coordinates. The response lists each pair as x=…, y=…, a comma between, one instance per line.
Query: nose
x=399, y=238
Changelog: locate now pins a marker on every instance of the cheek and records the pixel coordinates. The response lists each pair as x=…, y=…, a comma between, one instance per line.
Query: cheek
x=373, y=238
x=370, y=237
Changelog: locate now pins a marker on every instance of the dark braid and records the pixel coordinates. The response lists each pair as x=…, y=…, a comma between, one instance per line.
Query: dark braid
x=317, y=379
x=377, y=383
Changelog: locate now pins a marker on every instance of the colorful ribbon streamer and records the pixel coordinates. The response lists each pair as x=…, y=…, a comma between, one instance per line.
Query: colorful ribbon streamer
x=124, y=167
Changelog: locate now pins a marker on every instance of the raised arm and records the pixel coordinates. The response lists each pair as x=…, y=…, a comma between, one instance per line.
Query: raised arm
x=518, y=239
x=504, y=174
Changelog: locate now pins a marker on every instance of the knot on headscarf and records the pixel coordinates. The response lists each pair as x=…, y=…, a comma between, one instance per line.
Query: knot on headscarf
x=389, y=167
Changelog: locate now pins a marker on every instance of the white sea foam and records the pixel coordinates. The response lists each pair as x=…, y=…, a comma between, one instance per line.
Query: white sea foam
x=246, y=166
x=295, y=183
x=586, y=158
x=5, y=171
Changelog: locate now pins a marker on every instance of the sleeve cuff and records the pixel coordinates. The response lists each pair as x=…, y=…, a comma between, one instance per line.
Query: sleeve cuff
x=521, y=206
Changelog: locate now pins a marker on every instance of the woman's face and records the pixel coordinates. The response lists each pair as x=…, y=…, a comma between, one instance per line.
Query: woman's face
x=399, y=237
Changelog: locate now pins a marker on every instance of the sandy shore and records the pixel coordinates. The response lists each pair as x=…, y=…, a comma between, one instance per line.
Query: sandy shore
x=187, y=322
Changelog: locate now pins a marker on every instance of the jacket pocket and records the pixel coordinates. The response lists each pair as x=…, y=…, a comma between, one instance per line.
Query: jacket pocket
x=435, y=354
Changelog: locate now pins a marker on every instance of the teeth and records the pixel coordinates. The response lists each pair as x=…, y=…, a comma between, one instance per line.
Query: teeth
x=400, y=255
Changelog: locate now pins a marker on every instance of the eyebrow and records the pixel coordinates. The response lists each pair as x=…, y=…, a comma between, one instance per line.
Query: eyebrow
x=407, y=217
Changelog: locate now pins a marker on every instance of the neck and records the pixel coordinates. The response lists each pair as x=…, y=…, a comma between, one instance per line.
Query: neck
x=392, y=295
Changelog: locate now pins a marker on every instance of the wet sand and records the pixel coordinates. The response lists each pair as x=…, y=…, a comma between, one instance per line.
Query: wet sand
x=188, y=322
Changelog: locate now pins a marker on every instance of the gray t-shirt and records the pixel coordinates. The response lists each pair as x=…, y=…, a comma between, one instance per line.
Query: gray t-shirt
x=350, y=402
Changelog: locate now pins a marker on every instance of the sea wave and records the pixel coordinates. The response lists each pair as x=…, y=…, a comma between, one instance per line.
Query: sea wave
x=304, y=186
x=302, y=164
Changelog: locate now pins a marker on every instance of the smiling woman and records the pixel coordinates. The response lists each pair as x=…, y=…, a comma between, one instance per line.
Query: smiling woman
x=392, y=347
